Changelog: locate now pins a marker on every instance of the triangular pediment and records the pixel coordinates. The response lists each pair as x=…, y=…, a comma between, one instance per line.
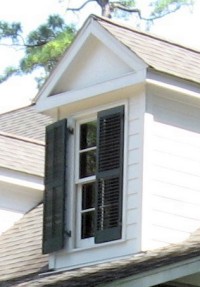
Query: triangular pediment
x=94, y=64
x=94, y=58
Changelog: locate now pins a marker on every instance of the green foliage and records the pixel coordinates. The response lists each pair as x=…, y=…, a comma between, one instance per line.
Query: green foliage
x=47, y=55
x=11, y=31
x=42, y=47
x=9, y=71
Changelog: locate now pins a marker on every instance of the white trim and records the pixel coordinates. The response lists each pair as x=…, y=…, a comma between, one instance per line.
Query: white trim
x=87, y=242
x=90, y=28
x=80, y=118
x=128, y=56
x=97, y=90
x=21, y=179
x=176, y=85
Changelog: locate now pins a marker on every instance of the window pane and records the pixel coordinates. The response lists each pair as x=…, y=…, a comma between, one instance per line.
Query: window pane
x=88, y=135
x=87, y=225
x=88, y=195
x=87, y=163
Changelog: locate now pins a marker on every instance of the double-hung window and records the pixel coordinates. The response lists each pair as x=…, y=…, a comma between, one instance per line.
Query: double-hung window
x=86, y=182
x=98, y=184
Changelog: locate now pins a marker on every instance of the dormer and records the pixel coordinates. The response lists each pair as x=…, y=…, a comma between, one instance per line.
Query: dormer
x=122, y=154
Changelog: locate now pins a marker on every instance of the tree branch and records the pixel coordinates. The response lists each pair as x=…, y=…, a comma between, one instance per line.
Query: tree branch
x=24, y=45
x=82, y=6
x=115, y=5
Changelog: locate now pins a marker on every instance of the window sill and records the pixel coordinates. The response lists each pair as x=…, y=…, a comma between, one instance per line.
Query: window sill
x=95, y=246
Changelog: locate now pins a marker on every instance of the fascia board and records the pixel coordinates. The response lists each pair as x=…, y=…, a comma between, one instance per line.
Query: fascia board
x=20, y=179
x=65, y=61
x=69, y=97
x=159, y=275
x=180, y=86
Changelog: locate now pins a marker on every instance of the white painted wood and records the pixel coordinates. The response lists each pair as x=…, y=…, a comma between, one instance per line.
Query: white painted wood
x=91, y=92
x=96, y=64
x=83, y=49
x=171, y=191
x=19, y=192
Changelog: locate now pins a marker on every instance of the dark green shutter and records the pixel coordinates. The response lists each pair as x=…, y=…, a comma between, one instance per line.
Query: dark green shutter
x=110, y=147
x=54, y=196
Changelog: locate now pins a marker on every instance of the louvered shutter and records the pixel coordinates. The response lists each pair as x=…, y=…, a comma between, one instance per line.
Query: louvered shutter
x=110, y=147
x=54, y=196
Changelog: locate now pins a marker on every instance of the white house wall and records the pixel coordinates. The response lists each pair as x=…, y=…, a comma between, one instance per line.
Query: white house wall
x=71, y=257
x=171, y=194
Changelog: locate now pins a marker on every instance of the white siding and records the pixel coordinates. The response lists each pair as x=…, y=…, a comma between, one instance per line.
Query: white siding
x=172, y=172
x=134, y=170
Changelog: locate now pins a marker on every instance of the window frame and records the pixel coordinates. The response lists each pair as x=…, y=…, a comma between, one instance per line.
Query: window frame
x=80, y=118
x=86, y=242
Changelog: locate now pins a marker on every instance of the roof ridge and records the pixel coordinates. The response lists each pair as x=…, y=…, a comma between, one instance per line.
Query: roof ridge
x=138, y=31
x=24, y=139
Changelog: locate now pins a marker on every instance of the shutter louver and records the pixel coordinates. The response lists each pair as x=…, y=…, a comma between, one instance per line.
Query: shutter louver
x=110, y=147
x=54, y=196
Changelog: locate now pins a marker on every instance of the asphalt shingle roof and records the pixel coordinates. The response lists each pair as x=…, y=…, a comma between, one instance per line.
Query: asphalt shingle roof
x=159, y=54
x=22, y=263
x=25, y=122
x=21, y=154
x=20, y=248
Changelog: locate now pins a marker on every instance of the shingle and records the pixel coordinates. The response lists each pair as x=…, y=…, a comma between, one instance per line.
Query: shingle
x=20, y=247
x=22, y=266
x=21, y=154
x=25, y=122
x=157, y=53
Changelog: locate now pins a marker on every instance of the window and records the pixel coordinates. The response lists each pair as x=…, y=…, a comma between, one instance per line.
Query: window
x=99, y=181
x=86, y=181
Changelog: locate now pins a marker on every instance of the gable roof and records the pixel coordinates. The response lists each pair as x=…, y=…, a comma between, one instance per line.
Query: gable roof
x=159, y=54
x=154, y=52
x=25, y=122
x=25, y=266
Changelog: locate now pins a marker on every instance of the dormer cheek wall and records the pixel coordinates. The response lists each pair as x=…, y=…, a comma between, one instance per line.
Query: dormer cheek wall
x=171, y=186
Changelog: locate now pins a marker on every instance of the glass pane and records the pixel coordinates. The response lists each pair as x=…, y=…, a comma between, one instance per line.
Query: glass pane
x=87, y=225
x=88, y=195
x=87, y=163
x=88, y=135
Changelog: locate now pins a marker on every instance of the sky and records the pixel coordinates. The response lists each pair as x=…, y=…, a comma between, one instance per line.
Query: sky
x=181, y=27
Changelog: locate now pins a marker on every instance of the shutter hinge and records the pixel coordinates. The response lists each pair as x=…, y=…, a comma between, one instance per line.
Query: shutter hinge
x=68, y=233
x=70, y=130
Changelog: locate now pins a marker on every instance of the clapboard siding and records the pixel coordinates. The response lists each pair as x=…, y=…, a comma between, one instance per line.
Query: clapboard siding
x=174, y=184
x=133, y=193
